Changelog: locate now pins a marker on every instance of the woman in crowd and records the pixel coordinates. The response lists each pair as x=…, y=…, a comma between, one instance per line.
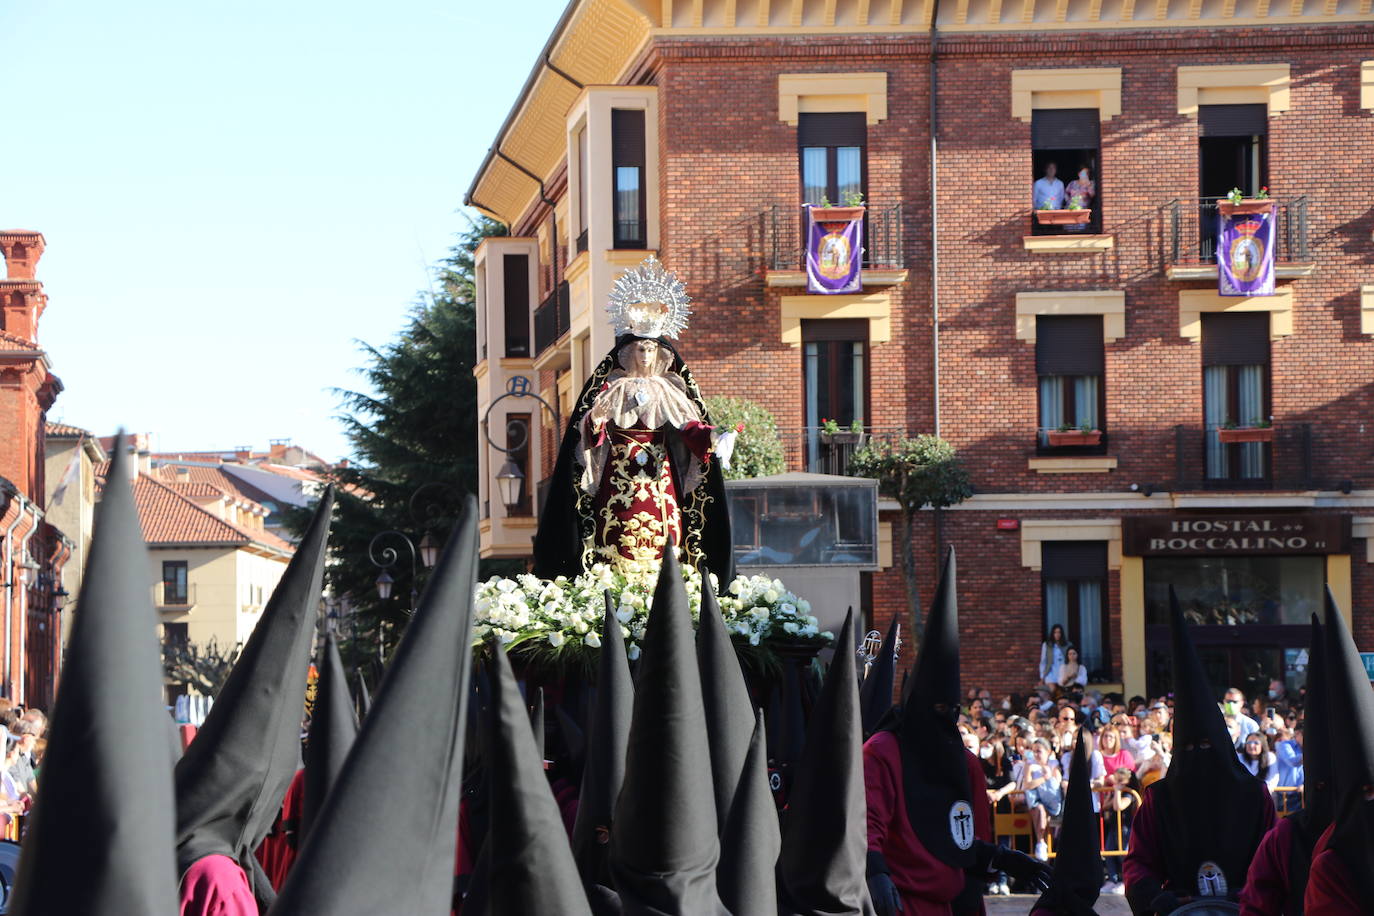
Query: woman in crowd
x=1080, y=194
x=1114, y=755
x=1073, y=675
x=1052, y=655
x=1153, y=768
x=1040, y=781
x=1118, y=809
x=1260, y=761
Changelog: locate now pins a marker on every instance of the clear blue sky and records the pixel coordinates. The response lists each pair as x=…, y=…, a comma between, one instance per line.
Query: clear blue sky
x=234, y=193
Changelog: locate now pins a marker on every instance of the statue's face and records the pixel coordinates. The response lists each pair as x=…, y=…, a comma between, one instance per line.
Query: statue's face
x=645, y=355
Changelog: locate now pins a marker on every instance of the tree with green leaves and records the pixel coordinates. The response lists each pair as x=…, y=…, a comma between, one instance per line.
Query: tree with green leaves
x=758, y=450
x=916, y=472
x=413, y=432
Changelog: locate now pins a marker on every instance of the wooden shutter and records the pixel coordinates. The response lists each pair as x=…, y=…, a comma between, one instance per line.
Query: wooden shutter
x=838, y=129
x=1065, y=128
x=627, y=137
x=1232, y=120
x=1069, y=345
x=516, y=293
x=1235, y=340
x=1073, y=559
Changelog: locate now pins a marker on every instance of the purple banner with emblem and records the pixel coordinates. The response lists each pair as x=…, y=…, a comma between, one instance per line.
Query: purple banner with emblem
x=834, y=249
x=1245, y=254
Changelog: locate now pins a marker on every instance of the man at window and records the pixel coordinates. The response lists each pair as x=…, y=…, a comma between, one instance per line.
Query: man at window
x=1048, y=192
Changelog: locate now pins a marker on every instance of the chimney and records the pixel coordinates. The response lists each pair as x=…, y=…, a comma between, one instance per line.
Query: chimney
x=183, y=475
x=22, y=249
x=276, y=448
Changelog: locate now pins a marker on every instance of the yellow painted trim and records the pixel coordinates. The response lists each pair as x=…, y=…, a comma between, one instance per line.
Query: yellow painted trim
x=521, y=521
x=1079, y=87
x=1367, y=308
x=1109, y=303
x=1034, y=531
x=884, y=545
x=625, y=258
x=1363, y=527
x=876, y=307
x=516, y=362
x=869, y=276
x=557, y=356
x=1232, y=84
x=577, y=267
x=1292, y=270
x=1193, y=302
x=831, y=92
x=480, y=370
x=1367, y=84
x=1338, y=580
x=1087, y=464
x=1067, y=244
x=1133, y=625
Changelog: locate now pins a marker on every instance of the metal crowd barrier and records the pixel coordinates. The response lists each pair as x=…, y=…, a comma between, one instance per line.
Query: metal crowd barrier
x=1017, y=823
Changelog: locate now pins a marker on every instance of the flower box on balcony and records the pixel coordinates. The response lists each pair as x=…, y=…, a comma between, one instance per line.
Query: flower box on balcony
x=836, y=214
x=1247, y=207
x=845, y=437
x=1065, y=437
x=1246, y=434
x=1077, y=217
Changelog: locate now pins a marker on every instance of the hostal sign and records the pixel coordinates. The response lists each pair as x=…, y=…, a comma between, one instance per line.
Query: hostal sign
x=1236, y=535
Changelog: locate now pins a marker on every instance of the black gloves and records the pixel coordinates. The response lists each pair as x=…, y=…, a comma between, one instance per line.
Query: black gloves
x=1022, y=867
x=886, y=899
x=1164, y=903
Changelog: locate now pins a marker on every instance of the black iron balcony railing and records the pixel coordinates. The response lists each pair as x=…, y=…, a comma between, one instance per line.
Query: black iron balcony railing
x=1203, y=461
x=1194, y=224
x=786, y=243
x=811, y=449
x=551, y=319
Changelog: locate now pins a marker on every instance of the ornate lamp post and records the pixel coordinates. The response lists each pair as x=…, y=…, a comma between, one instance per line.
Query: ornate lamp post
x=510, y=480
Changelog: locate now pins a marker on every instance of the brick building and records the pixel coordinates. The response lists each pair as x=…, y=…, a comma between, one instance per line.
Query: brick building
x=33, y=553
x=696, y=130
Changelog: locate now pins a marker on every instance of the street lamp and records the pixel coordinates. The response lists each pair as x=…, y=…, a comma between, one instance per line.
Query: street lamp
x=510, y=481
x=59, y=598
x=384, y=585
x=429, y=551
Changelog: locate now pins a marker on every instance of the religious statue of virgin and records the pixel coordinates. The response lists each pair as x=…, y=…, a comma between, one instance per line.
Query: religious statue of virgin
x=639, y=468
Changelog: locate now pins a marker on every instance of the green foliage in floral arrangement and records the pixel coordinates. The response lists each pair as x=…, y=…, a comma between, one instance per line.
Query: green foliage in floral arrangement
x=556, y=625
x=758, y=450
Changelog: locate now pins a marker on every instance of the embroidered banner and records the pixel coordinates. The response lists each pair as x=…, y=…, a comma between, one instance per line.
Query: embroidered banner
x=1245, y=254
x=834, y=249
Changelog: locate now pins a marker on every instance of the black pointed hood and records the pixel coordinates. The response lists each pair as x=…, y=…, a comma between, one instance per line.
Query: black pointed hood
x=665, y=848
x=729, y=711
x=231, y=780
x=1351, y=705
x=1212, y=808
x=100, y=841
x=532, y=868
x=1318, y=792
x=364, y=698
x=821, y=869
x=333, y=727
x=604, y=771
x=410, y=750
x=875, y=694
x=746, y=877
x=934, y=761
x=1077, y=878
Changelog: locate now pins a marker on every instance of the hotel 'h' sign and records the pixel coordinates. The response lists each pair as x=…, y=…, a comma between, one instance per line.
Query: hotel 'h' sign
x=1235, y=535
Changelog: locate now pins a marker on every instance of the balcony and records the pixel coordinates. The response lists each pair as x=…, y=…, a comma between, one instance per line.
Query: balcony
x=1192, y=226
x=169, y=597
x=551, y=319
x=785, y=246
x=810, y=449
x=1203, y=462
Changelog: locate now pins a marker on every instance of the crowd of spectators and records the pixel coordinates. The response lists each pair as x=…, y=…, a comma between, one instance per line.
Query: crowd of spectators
x=1025, y=742
x=24, y=746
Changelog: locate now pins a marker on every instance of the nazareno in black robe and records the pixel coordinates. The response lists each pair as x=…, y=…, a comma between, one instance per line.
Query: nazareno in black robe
x=566, y=521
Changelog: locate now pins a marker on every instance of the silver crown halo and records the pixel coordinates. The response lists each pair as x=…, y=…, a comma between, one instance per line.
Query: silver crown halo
x=649, y=301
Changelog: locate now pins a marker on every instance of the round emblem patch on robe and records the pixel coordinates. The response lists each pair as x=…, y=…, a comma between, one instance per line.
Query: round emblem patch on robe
x=961, y=824
x=1211, y=880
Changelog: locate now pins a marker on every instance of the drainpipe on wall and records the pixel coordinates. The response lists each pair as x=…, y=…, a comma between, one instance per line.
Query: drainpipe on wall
x=935, y=241
x=24, y=598
x=9, y=582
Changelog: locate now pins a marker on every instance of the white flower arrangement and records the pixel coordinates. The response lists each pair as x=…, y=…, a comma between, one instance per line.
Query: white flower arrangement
x=566, y=614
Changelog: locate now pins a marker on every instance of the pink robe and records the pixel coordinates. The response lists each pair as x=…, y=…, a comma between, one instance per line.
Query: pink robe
x=926, y=884
x=1330, y=891
x=1266, y=886
x=216, y=886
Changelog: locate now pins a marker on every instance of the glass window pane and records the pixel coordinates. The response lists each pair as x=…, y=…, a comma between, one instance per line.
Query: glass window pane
x=812, y=363
x=849, y=171
x=582, y=179
x=1090, y=625
x=1056, y=604
x=627, y=203
x=1214, y=408
x=1085, y=400
x=815, y=177
x=856, y=371
x=1234, y=591
x=1051, y=404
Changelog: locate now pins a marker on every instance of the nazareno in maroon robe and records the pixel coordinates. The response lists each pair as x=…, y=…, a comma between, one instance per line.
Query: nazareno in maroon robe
x=926, y=884
x=1331, y=891
x=216, y=886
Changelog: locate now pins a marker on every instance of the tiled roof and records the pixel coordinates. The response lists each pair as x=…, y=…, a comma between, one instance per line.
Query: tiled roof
x=168, y=517
x=214, y=477
x=63, y=431
x=15, y=341
x=286, y=470
x=196, y=490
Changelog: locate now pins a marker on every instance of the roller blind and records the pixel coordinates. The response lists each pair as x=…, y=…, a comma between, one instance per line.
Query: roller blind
x=1069, y=345
x=855, y=329
x=1065, y=128
x=516, y=292
x=627, y=137
x=1073, y=559
x=837, y=129
x=1232, y=120
x=1235, y=340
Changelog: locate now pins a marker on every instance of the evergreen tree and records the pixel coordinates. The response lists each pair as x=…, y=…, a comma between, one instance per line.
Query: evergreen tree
x=414, y=441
